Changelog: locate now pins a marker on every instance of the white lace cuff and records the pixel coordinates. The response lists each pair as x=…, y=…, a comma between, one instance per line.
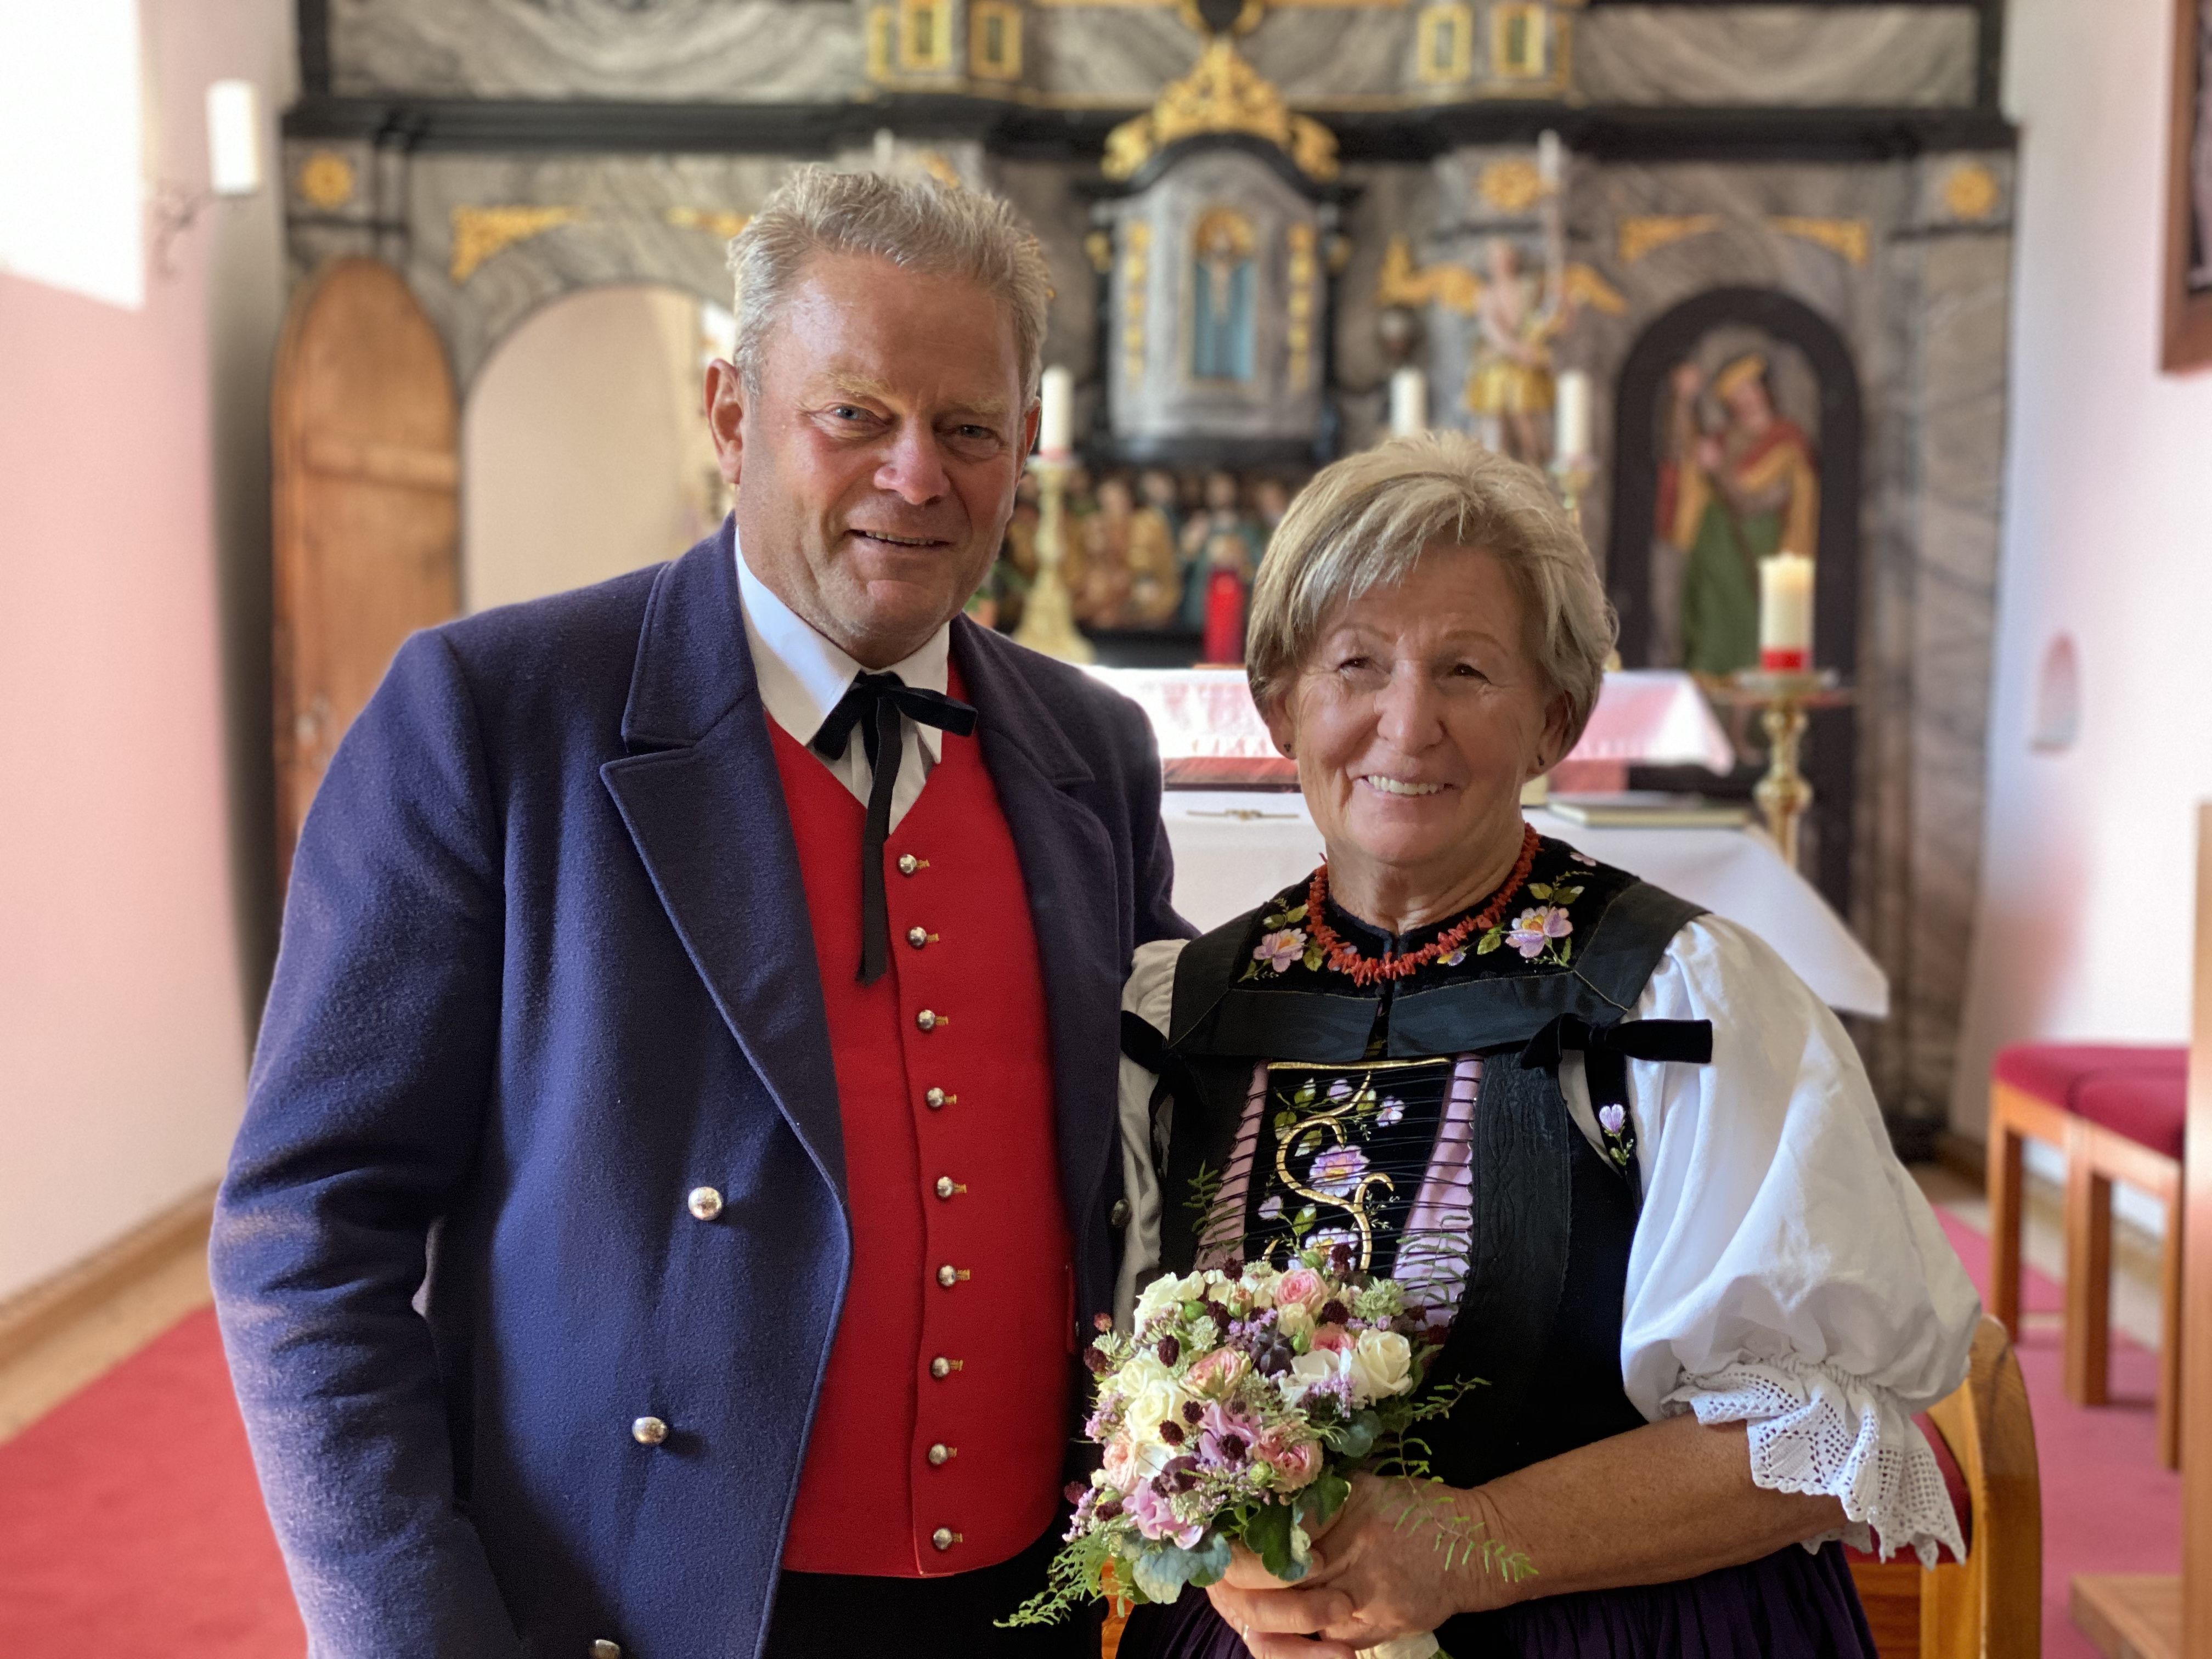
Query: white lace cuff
x=1815, y=1429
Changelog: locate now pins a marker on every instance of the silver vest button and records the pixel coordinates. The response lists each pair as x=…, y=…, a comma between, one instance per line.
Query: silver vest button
x=939, y=1454
x=935, y=1099
x=944, y=1538
x=908, y=865
x=916, y=937
x=948, y=1275
x=604, y=1649
x=1119, y=1215
x=940, y=1368
x=945, y=1187
x=926, y=1019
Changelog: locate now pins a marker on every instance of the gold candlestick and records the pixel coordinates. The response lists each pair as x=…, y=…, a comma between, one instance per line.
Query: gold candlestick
x=1783, y=699
x=1047, y=614
x=1572, y=475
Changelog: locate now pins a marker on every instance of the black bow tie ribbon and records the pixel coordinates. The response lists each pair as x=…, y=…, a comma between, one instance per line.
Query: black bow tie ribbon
x=874, y=702
x=1606, y=1051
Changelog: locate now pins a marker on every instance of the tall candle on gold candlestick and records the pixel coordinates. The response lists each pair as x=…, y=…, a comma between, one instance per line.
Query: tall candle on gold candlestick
x=1785, y=613
x=1571, y=436
x=1056, y=427
x=1409, y=403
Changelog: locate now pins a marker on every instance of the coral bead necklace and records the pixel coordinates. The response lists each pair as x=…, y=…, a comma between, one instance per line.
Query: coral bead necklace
x=1341, y=957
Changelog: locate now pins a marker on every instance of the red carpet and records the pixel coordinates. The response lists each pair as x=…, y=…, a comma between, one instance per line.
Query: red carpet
x=2107, y=1505
x=131, y=1524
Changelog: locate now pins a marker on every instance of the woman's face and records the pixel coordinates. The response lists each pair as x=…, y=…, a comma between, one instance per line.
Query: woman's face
x=1416, y=720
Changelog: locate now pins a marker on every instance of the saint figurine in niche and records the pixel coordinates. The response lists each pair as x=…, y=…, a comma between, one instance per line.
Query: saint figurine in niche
x=1222, y=248
x=1135, y=579
x=1218, y=538
x=1510, y=387
x=1728, y=496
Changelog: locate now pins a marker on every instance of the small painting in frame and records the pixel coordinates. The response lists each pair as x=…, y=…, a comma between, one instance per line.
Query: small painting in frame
x=2189, y=192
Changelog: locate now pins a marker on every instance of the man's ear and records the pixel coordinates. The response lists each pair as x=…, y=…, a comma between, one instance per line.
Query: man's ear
x=1030, y=422
x=726, y=398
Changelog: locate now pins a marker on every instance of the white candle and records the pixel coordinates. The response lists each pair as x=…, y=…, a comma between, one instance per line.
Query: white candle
x=1785, y=613
x=1571, y=439
x=1409, y=403
x=233, y=120
x=1551, y=159
x=1056, y=432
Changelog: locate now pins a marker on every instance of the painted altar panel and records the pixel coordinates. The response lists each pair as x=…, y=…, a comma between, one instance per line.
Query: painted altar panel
x=1897, y=57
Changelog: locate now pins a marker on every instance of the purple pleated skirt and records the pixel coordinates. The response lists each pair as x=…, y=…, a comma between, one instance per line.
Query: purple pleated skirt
x=1793, y=1604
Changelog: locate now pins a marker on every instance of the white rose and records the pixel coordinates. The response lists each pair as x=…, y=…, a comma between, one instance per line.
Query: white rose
x=1309, y=1369
x=1259, y=1283
x=1294, y=1321
x=1160, y=1401
x=1166, y=1292
x=1380, y=1364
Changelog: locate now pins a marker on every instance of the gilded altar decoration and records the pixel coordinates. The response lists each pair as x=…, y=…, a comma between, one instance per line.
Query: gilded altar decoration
x=1520, y=41
x=1446, y=37
x=1402, y=283
x=1728, y=497
x=1848, y=237
x=995, y=40
x=1970, y=191
x=481, y=232
x=1642, y=235
x=1222, y=94
x=1299, y=332
x=326, y=179
x=1511, y=186
x=723, y=224
x=1136, y=264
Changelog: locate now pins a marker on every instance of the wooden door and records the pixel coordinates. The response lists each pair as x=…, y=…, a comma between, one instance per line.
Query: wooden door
x=367, y=525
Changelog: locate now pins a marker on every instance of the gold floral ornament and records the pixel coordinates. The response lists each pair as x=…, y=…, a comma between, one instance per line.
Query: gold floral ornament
x=722, y=222
x=1512, y=185
x=326, y=179
x=1848, y=237
x=1222, y=94
x=1646, y=234
x=1458, y=290
x=1971, y=191
x=481, y=232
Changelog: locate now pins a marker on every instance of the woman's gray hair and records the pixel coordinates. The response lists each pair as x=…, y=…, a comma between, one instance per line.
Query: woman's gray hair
x=918, y=224
x=1363, y=522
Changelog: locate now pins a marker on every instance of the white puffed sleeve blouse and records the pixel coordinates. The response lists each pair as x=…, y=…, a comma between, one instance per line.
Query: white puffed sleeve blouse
x=1786, y=1272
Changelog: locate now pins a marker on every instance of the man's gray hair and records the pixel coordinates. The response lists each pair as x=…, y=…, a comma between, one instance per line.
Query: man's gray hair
x=919, y=224
x=1363, y=522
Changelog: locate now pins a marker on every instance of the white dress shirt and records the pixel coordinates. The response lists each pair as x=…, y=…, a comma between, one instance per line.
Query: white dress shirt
x=1786, y=1272
x=802, y=675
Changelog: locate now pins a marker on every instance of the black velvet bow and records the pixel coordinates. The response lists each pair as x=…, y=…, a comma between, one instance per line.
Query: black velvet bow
x=1606, y=1049
x=874, y=702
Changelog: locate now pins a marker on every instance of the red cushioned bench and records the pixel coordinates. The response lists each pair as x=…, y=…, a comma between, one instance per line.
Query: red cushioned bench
x=2117, y=1114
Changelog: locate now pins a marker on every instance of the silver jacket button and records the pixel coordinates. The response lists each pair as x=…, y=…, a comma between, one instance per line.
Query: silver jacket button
x=705, y=1203
x=939, y=1454
x=1119, y=1215
x=940, y=1368
x=604, y=1649
x=934, y=1099
x=945, y=1186
x=926, y=1019
x=916, y=938
x=944, y=1538
x=908, y=863
x=948, y=1275
x=648, y=1431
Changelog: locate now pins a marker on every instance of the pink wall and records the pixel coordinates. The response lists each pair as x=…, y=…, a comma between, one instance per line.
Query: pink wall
x=128, y=947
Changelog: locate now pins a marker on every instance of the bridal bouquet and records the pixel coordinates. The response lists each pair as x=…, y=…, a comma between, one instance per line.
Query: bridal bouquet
x=1236, y=1410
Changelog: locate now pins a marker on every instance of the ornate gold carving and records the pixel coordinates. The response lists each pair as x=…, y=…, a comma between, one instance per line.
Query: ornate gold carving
x=481, y=232
x=1847, y=237
x=1247, y=19
x=722, y=224
x=1444, y=43
x=1646, y=233
x=1584, y=287
x=1971, y=191
x=1136, y=267
x=1400, y=284
x=1222, y=94
x=924, y=34
x=1299, y=305
x=883, y=31
x=1520, y=41
x=1100, y=246
x=326, y=179
x=1512, y=185
x=935, y=164
x=995, y=40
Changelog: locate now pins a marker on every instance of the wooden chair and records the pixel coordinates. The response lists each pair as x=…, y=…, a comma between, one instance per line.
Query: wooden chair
x=1990, y=1605
x=2117, y=1114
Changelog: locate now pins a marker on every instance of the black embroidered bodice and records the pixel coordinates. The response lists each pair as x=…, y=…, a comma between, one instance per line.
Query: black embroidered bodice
x=1419, y=1123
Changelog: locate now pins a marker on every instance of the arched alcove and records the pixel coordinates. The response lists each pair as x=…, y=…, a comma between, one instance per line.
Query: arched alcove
x=1813, y=384
x=584, y=446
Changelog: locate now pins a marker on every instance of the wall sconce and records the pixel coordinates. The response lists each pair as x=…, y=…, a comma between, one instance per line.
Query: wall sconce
x=233, y=127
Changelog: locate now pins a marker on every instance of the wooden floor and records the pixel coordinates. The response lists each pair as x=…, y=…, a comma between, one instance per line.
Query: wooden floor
x=58, y=1336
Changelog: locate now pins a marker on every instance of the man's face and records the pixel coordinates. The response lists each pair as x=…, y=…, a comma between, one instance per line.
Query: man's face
x=875, y=467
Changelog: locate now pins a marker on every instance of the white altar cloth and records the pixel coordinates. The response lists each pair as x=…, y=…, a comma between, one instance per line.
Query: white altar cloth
x=1233, y=848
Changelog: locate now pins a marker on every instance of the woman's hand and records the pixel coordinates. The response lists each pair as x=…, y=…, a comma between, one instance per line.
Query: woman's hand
x=1400, y=1558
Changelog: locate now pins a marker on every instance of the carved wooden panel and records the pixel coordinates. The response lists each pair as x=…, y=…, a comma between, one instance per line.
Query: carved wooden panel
x=368, y=527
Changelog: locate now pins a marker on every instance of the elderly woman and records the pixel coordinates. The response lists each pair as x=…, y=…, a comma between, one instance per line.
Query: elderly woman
x=1611, y=1138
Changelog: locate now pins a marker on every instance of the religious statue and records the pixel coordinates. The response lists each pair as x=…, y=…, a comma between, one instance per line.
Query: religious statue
x=1728, y=498
x=1510, y=387
x=1221, y=549
x=1131, y=579
x=1222, y=249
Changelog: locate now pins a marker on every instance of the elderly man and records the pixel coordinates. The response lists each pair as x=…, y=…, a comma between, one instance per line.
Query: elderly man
x=682, y=1154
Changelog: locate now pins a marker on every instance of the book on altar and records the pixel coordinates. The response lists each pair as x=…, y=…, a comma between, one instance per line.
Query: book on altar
x=1650, y=809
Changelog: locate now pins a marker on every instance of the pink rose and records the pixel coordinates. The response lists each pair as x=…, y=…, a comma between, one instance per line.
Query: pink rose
x=1295, y=1462
x=1217, y=1373
x=1121, y=1463
x=1303, y=1286
x=1331, y=1337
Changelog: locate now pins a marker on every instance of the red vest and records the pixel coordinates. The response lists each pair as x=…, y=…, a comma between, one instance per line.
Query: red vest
x=941, y=1430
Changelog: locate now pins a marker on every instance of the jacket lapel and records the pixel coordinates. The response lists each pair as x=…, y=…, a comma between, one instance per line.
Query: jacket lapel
x=700, y=795
x=1079, y=907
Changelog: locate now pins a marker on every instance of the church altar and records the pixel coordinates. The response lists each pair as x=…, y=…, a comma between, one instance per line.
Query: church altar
x=1235, y=848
